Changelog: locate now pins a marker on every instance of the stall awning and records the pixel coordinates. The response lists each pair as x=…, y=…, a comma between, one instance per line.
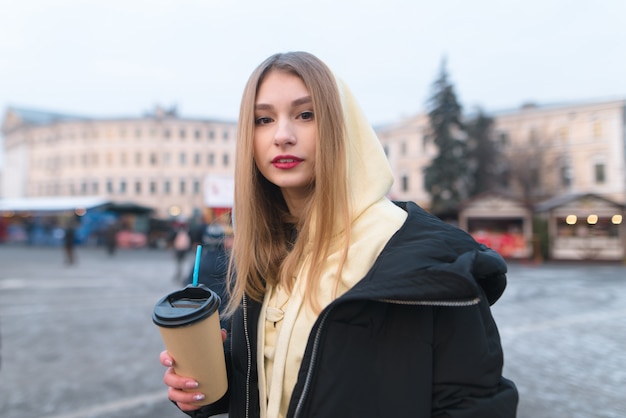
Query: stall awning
x=69, y=203
x=51, y=204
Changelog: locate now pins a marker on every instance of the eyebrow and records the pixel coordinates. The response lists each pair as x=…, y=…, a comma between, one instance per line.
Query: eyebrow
x=295, y=103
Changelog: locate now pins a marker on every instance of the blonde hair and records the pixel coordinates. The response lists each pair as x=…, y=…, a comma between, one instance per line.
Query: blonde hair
x=269, y=244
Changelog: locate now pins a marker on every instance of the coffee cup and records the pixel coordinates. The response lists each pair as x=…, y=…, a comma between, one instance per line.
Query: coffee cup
x=189, y=323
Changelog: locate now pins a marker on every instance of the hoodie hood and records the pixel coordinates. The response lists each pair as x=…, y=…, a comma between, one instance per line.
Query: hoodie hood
x=369, y=173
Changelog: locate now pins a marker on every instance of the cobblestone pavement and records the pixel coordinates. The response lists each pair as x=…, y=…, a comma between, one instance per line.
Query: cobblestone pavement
x=78, y=341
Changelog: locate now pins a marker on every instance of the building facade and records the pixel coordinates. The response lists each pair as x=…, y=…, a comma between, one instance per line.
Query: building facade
x=409, y=151
x=159, y=160
x=566, y=149
x=550, y=151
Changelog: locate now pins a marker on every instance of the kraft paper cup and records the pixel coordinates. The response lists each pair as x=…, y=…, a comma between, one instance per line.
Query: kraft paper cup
x=190, y=328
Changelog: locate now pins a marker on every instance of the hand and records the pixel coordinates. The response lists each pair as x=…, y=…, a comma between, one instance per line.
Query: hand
x=178, y=386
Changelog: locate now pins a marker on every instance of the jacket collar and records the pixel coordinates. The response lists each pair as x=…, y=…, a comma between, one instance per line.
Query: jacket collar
x=428, y=261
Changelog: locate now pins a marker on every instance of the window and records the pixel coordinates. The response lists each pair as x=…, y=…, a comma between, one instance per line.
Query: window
x=196, y=187
x=153, y=187
x=403, y=148
x=566, y=176
x=211, y=159
x=109, y=187
x=503, y=139
x=138, y=187
x=405, y=183
x=138, y=158
x=534, y=177
x=182, y=133
x=211, y=134
x=94, y=187
x=166, y=133
x=225, y=135
x=166, y=187
x=196, y=158
x=153, y=158
x=197, y=134
x=182, y=187
x=597, y=130
x=225, y=160
x=183, y=158
x=599, y=173
x=122, y=186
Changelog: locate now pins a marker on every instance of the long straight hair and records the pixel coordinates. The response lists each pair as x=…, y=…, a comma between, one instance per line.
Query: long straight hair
x=269, y=244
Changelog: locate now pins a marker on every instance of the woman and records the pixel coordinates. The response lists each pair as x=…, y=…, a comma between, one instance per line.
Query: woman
x=345, y=304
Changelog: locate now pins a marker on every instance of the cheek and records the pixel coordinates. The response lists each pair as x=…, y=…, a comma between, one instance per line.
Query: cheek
x=256, y=147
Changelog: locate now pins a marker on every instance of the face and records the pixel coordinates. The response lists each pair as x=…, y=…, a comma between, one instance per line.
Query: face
x=285, y=134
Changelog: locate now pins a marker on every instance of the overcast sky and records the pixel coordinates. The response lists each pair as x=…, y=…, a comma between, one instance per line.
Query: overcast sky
x=121, y=58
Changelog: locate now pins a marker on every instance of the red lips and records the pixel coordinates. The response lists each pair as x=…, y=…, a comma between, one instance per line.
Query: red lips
x=286, y=161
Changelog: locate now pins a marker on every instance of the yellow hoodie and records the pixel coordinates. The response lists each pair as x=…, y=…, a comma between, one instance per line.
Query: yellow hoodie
x=285, y=322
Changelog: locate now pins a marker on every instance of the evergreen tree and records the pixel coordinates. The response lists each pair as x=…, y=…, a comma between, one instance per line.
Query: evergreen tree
x=446, y=176
x=486, y=163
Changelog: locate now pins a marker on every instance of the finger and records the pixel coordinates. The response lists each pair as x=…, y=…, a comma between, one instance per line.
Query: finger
x=223, y=335
x=166, y=359
x=171, y=379
x=185, y=400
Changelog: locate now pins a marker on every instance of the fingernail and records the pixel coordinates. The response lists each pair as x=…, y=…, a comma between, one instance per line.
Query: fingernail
x=198, y=397
x=168, y=363
x=191, y=385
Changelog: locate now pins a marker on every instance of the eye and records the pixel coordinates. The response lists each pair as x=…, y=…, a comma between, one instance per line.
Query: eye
x=308, y=115
x=262, y=120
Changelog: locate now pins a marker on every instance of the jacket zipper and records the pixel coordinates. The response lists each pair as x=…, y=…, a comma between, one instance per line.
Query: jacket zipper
x=311, y=367
x=249, y=369
x=446, y=303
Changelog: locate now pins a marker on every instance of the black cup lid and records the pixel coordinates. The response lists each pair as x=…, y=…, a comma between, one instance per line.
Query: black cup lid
x=185, y=306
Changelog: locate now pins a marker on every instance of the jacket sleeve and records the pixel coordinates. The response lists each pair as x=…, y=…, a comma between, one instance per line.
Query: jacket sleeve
x=467, y=365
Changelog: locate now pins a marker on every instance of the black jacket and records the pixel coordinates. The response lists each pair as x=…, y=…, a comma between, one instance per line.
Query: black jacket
x=414, y=338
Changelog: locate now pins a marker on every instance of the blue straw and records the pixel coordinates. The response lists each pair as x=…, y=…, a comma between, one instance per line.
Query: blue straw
x=196, y=266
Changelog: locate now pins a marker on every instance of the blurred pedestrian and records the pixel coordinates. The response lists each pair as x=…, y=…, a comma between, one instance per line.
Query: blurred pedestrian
x=69, y=242
x=110, y=237
x=180, y=243
x=344, y=303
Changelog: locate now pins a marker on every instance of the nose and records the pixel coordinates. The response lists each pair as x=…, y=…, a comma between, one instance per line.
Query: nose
x=284, y=134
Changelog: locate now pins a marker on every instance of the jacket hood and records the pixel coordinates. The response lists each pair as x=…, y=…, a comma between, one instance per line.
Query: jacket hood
x=428, y=261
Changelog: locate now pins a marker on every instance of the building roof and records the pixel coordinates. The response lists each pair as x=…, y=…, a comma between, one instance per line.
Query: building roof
x=564, y=199
x=42, y=117
x=533, y=106
x=16, y=116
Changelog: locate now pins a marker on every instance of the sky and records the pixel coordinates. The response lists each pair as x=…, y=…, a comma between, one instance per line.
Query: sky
x=121, y=58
